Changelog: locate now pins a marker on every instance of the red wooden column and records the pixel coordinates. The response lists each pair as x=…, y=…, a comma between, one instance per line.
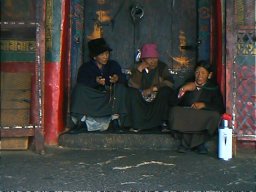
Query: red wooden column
x=218, y=45
x=57, y=45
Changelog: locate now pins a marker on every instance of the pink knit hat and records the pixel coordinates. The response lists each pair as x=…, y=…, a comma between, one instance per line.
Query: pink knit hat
x=149, y=51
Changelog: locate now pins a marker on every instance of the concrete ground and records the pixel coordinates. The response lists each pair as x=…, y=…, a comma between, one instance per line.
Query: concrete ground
x=62, y=168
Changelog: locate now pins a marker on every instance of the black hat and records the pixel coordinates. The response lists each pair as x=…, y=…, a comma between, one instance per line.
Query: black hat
x=98, y=46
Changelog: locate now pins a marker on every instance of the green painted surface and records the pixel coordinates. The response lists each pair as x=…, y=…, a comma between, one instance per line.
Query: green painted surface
x=14, y=56
x=52, y=37
x=53, y=30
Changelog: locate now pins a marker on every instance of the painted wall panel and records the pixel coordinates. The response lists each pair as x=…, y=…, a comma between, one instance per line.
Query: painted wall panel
x=204, y=29
x=240, y=70
x=77, y=37
x=18, y=30
x=53, y=30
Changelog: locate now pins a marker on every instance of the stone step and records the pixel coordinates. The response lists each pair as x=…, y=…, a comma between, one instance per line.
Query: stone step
x=127, y=140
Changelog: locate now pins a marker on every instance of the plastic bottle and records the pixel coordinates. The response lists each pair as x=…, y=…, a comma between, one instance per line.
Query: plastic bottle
x=225, y=141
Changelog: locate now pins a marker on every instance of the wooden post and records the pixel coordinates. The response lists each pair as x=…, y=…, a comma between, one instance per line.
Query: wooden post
x=39, y=74
x=234, y=145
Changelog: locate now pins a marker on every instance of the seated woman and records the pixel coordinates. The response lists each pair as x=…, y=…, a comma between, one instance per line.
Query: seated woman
x=150, y=92
x=198, y=114
x=99, y=94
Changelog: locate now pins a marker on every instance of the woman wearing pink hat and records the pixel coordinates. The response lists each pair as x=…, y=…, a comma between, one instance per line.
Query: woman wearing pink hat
x=151, y=92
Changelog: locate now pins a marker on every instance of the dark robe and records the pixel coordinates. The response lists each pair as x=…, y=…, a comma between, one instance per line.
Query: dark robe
x=91, y=99
x=89, y=71
x=192, y=126
x=147, y=115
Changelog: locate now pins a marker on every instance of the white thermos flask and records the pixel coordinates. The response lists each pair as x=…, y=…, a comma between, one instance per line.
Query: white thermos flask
x=225, y=141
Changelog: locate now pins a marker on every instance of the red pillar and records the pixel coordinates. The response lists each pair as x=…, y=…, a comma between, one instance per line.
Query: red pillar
x=219, y=37
x=54, y=104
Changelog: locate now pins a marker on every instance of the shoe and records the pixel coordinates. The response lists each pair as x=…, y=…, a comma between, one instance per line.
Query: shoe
x=77, y=131
x=201, y=149
x=115, y=124
x=79, y=128
x=165, y=128
x=182, y=149
x=134, y=130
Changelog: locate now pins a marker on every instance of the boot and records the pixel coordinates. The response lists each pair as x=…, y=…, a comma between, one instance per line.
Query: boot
x=80, y=127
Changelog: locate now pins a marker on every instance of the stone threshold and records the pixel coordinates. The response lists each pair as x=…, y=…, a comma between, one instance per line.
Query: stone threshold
x=123, y=140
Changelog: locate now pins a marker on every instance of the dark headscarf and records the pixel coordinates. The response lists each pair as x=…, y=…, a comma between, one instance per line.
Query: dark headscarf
x=204, y=64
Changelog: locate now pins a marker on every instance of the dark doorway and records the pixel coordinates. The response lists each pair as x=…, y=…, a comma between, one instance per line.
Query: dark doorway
x=127, y=24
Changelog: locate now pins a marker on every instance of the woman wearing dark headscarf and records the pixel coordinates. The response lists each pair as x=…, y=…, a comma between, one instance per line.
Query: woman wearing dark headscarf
x=198, y=114
x=100, y=91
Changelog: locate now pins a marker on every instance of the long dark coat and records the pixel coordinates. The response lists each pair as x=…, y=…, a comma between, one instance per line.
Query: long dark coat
x=91, y=99
x=146, y=115
x=192, y=126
